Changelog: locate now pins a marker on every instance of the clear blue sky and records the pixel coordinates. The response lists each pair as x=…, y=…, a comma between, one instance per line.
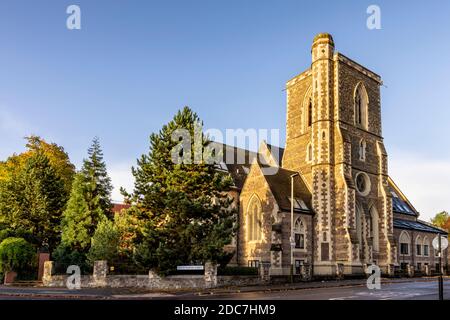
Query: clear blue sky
x=135, y=63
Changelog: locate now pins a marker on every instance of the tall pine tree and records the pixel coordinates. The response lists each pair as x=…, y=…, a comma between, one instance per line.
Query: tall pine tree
x=89, y=203
x=184, y=208
x=94, y=170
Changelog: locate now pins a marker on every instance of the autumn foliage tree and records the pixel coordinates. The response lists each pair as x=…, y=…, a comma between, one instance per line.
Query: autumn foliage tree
x=442, y=220
x=34, y=188
x=32, y=201
x=56, y=155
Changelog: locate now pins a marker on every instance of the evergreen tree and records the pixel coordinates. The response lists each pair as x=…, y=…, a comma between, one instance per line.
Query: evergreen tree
x=105, y=242
x=94, y=170
x=81, y=216
x=89, y=204
x=184, y=209
x=33, y=201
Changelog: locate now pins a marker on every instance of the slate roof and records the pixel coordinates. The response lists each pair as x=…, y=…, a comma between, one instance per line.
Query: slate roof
x=417, y=225
x=237, y=169
x=280, y=185
x=400, y=206
x=400, y=203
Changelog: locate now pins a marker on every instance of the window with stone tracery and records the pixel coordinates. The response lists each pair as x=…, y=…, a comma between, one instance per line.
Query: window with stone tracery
x=404, y=243
x=310, y=112
x=361, y=104
x=254, y=220
x=299, y=233
x=309, y=153
x=362, y=150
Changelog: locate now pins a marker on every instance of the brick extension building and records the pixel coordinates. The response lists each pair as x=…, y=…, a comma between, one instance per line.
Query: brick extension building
x=348, y=211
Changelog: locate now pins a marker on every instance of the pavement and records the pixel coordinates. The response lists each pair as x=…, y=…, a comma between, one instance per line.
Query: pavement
x=391, y=289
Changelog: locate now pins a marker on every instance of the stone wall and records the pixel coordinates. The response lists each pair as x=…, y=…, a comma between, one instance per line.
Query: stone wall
x=298, y=134
x=152, y=281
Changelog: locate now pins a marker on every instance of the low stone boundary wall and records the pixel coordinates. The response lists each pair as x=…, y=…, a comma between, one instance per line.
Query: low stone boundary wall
x=230, y=281
x=101, y=279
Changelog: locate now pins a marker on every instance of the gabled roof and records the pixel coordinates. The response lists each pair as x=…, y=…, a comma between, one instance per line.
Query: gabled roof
x=239, y=165
x=279, y=182
x=277, y=153
x=280, y=185
x=417, y=225
x=400, y=204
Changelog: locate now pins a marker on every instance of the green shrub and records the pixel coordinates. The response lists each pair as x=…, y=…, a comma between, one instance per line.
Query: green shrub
x=237, y=271
x=16, y=254
x=65, y=256
x=5, y=233
x=104, y=243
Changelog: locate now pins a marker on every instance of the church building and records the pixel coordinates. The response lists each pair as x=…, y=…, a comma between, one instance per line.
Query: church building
x=347, y=211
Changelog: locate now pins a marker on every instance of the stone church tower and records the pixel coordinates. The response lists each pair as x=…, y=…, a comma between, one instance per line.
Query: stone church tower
x=346, y=212
x=334, y=140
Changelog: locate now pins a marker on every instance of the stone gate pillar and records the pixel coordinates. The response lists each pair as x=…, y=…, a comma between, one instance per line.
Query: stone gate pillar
x=264, y=271
x=48, y=272
x=339, y=271
x=100, y=272
x=391, y=270
x=210, y=275
x=42, y=258
x=427, y=270
x=410, y=270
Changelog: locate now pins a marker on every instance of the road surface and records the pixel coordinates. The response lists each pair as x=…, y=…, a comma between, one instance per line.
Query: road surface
x=415, y=289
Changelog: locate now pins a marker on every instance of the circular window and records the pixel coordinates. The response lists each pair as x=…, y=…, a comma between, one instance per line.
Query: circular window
x=362, y=183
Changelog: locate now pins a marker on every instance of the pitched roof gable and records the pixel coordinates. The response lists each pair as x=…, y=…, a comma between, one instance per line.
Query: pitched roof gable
x=280, y=185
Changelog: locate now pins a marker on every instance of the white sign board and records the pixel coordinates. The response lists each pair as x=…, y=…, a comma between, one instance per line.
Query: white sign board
x=189, y=268
x=444, y=243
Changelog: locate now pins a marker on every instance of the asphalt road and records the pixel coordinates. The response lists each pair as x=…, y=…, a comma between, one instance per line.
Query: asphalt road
x=395, y=291
x=412, y=290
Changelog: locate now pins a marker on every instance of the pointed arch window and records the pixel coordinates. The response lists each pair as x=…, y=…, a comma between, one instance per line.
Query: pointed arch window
x=307, y=111
x=419, y=246
x=358, y=222
x=373, y=227
x=254, y=220
x=362, y=150
x=309, y=153
x=300, y=234
x=426, y=247
x=404, y=243
x=310, y=111
x=361, y=105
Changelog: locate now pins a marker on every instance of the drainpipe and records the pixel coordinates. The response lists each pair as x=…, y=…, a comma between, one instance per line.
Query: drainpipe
x=292, y=243
x=313, y=233
x=238, y=243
